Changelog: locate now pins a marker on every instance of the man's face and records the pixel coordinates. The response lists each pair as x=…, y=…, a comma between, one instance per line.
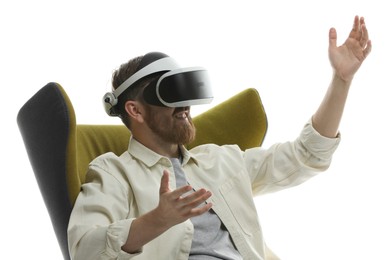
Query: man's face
x=173, y=125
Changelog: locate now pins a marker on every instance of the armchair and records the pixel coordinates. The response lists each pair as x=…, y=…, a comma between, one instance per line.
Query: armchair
x=60, y=150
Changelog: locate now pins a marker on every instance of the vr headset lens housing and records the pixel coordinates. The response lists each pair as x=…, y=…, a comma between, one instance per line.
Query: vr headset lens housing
x=176, y=87
x=179, y=88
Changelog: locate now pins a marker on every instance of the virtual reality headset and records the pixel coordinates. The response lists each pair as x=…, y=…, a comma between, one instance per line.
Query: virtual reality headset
x=176, y=87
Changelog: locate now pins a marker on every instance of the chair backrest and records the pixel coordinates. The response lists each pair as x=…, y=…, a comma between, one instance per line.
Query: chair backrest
x=60, y=150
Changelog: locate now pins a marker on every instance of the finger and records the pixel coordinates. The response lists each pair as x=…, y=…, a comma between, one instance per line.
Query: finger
x=164, y=186
x=365, y=37
x=367, y=50
x=200, y=210
x=332, y=38
x=177, y=194
x=356, y=24
x=361, y=21
x=195, y=199
x=355, y=32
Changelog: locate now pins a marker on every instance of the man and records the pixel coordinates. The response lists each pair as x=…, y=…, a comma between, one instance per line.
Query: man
x=161, y=201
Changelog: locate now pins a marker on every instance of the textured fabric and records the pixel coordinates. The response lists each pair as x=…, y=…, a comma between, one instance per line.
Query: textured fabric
x=46, y=124
x=119, y=189
x=94, y=140
x=240, y=120
x=211, y=240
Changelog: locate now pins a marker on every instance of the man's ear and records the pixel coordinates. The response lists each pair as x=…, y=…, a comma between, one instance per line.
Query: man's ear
x=135, y=110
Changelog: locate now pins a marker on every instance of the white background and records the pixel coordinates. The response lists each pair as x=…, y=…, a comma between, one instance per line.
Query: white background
x=277, y=47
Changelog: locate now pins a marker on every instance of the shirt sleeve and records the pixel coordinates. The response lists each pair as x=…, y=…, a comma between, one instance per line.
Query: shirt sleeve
x=288, y=164
x=99, y=223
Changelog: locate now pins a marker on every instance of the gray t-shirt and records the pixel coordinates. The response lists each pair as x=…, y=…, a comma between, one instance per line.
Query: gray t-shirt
x=211, y=239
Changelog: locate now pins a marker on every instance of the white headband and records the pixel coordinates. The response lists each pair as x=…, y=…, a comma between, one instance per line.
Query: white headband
x=163, y=64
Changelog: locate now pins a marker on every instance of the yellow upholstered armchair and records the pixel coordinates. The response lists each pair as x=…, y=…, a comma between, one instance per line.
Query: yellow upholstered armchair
x=60, y=150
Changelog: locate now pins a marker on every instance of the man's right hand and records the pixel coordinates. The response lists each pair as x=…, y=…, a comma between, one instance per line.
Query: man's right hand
x=176, y=206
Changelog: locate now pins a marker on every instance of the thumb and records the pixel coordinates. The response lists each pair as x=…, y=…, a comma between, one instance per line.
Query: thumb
x=332, y=38
x=164, y=187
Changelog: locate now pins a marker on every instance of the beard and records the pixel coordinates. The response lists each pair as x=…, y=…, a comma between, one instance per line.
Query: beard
x=172, y=131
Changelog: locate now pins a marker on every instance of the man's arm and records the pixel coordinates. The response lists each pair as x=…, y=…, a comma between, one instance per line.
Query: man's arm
x=345, y=60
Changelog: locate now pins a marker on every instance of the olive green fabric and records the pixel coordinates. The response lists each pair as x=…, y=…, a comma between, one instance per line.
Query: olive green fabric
x=239, y=120
x=94, y=140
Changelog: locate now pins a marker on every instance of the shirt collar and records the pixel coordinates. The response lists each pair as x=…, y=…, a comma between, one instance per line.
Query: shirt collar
x=150, y=158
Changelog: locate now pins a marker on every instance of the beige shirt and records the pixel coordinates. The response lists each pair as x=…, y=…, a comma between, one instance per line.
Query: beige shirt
x=119, y=189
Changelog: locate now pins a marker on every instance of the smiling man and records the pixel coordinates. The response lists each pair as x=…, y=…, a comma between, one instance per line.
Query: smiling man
x=160, y=201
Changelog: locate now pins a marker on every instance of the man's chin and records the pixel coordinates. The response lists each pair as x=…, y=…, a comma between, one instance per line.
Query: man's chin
x=186, y=135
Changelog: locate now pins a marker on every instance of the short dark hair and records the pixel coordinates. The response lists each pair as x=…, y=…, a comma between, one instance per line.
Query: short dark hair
x=125, y=71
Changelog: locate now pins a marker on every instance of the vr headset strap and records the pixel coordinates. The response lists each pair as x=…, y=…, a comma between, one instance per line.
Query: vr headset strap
x=163, y=64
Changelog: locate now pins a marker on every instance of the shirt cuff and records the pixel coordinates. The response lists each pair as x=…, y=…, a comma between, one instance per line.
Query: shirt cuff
x=318, y=145
x=117, y=235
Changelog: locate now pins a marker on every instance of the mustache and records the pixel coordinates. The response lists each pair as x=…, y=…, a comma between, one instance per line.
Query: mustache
x=181, y=109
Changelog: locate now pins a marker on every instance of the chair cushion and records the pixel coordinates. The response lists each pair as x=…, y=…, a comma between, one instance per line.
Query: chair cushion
x=94, y=140
x=239, y=120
